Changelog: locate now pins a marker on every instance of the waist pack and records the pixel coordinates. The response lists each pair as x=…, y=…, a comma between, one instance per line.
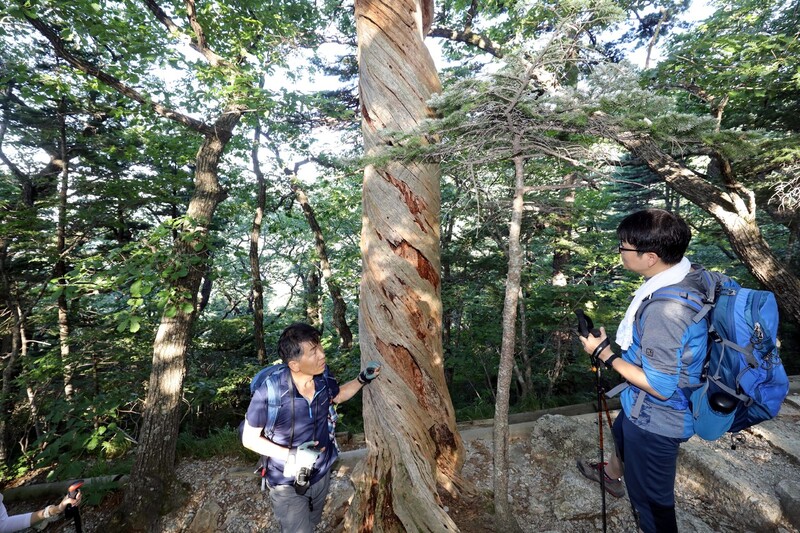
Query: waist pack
x=743, y=381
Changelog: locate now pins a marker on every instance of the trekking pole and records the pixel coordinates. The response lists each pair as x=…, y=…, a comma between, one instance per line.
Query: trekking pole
x=72, y=511
x=585, y=328
x=605, y=408
x=600, y=403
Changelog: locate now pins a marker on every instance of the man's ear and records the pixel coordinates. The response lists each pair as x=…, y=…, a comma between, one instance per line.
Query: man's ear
x=652, y=258
x=293, y=365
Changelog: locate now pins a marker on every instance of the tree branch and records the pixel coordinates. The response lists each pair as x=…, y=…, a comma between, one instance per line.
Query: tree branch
x=21, y=176
x=116, y=84
x=191, y=13
x=468, y=37
x=471, y=12
x=198, y=42
x=743, y=198
x=694, y=188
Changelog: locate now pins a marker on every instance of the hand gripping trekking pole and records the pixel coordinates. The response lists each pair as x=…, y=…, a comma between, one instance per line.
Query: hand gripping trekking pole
x=72, y=511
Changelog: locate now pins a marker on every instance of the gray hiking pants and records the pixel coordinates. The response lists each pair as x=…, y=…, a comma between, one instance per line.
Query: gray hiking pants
x=296, y=513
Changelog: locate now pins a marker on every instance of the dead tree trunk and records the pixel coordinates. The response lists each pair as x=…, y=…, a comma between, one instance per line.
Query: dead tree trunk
x=400, y=317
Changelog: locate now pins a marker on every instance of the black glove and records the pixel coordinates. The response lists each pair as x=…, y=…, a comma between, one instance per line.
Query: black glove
x=369, y=373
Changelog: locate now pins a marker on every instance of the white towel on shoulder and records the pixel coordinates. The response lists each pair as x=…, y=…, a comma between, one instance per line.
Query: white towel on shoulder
x=671, y=276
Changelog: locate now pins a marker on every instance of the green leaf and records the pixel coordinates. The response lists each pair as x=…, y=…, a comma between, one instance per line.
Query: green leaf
x=136, y=289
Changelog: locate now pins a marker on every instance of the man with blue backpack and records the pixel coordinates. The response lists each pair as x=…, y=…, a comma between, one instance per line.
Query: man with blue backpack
x=699, y=356
x=663, y=349
x=290, y=421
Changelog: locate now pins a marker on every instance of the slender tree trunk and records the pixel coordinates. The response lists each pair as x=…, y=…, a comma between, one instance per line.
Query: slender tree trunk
x=654, y=39
x=255, y=237
x=9, y=313
x=67, y=366
x=447, y=318
x=33, y=404
x=505, y=370
x=408, y=414
x=155, y=456
x=312, y=291
x=525, y=372
x=339, y=305
x=733, y=208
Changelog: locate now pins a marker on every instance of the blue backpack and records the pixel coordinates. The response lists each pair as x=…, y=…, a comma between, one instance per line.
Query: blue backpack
x=743, y=381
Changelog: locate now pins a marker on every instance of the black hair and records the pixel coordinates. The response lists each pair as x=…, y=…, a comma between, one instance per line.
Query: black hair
x=657, y=231
x=289, y=344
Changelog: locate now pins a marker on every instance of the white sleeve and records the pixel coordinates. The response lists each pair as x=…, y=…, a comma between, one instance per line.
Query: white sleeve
x=13, y=523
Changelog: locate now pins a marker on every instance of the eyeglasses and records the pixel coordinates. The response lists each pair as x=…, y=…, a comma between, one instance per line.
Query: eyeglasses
x=623, y=249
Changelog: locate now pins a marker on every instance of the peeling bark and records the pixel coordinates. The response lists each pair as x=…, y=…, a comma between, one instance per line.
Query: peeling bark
x=413, y=443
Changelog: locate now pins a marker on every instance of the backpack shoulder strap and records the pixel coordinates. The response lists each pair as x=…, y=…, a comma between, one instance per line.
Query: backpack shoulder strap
x=693, y=300
x=701, y=304
x=273, y=395
x=327, y=375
